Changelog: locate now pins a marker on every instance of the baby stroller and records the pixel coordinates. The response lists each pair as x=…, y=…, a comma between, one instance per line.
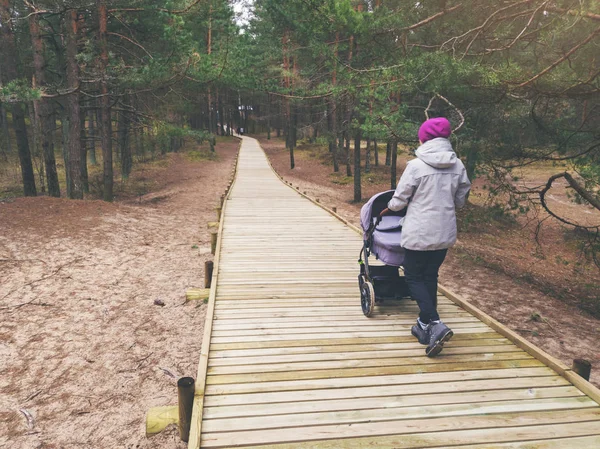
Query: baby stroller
x=381, y=236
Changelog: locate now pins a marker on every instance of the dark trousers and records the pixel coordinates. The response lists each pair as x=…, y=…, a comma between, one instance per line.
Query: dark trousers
x=421, y=271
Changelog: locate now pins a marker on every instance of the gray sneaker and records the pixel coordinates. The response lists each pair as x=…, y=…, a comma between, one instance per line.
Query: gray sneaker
x=421, y=334
x=439, y=334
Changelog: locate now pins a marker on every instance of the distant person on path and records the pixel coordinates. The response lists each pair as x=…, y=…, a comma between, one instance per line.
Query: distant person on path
x=432, y=186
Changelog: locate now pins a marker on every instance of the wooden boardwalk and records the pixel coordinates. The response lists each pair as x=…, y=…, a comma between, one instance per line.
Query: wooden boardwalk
x=290, y=361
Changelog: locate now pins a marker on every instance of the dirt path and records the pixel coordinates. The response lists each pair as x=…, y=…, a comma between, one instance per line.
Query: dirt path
x=84, y=348
x=558, y=327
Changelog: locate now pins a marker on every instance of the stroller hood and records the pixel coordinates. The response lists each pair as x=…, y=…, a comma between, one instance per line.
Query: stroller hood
x=386, y=237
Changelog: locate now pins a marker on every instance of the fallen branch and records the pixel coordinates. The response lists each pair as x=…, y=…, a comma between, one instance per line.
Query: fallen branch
x=43, y=278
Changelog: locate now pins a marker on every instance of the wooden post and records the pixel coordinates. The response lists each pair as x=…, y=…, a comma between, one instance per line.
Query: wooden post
x=208, y=271
x=318, y=200
x=185, y=393
x=218, y=209
x=334, y=209
x=583, y=368
x=222, y=200
x=213, y=241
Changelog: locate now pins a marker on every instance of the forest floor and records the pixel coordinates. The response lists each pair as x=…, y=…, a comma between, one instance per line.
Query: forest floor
x=543, y=290
x=86, y=346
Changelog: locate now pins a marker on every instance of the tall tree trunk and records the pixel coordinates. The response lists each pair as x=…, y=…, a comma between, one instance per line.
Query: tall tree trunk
x=220, y=111
x=6, y=135
x=44, y=112
x=357, y=186
x=84, y=151
x=35, y=142
x=66, y=137
x=11, y=64
x=333, y=134
x=388, y=152
x=368, y=156
x=268, y=116
x=92, y=136
x=394, y=158
x=123, y=142
x=332, y=108
x=23, y=148
x=106, y=124
x=73, y=105
x=376, y=150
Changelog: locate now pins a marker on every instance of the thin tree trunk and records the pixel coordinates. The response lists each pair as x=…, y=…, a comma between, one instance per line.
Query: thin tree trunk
x=92, y=136
x=66, y=137
x=7, y=143
x=348, y=154
x=73, y=106
x=220, y=110
x=388, y=152
x=376, y=150
x=11, y=63
x=357, y=185
x=106, y=124
x=368, y=156
x=268, y=116
x=84, y=150
x=123, y=141
x=333, y=143
x=35, y=147
x=24, y=153
x=7, y=149
x=44, y=110
x=394, y=158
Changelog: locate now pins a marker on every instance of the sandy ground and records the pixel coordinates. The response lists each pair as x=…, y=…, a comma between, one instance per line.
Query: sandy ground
x=85, y=350
x=512, y=290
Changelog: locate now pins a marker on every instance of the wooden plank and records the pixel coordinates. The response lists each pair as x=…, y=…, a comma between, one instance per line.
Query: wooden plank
x=215, y=360
x=315, y=395
x=393, y=379
x=387, y=401
x=401, y=427
x=365, y=348
x=390, y=327
x=343, y=364
x=419, y=412
x=553, y=436
x=339, y=341
x=326, y=335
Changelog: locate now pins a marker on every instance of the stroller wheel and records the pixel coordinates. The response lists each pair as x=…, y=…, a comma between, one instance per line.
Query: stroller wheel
x=367, y=298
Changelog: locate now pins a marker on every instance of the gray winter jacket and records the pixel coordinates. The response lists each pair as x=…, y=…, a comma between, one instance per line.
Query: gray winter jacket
x=433, y=186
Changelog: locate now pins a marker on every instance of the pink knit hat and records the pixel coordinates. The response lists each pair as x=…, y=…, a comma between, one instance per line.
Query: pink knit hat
x=434, y=127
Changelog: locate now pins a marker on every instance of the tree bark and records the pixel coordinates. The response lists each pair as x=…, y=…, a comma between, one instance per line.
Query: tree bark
x=11, y=63
x=106, y=124
x=357, y=185
x=388, y=152
x=394, y=158
x=84, y=151
x=7, y=143
x=123, y=142
x=376, y=150
x=73, y=106
x=44, y=112
x=368, y=156
x=92, y=136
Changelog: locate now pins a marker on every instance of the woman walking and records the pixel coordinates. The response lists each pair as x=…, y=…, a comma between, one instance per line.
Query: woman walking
x=432, y=186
